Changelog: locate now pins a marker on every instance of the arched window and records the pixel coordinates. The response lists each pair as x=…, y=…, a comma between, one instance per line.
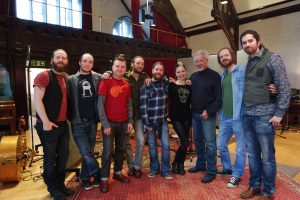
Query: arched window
x=123, y=27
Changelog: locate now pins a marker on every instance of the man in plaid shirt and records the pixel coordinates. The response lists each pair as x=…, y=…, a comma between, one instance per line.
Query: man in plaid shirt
x=154, y=113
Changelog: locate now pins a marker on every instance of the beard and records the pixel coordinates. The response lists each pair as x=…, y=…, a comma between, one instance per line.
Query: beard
x=57, y=68
x=157, y=77
x=227, y=63
x=136, y=71
x=250, y=50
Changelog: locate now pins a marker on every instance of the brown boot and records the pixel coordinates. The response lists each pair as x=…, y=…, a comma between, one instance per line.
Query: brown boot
x=250, y=192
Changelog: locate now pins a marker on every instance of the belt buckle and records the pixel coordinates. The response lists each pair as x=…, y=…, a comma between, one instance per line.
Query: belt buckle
x=85, y=119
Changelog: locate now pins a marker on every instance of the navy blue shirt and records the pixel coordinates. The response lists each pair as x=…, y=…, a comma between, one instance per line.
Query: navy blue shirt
x=206, y=91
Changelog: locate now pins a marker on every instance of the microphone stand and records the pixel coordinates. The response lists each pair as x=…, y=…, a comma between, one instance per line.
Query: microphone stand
x=27, y=64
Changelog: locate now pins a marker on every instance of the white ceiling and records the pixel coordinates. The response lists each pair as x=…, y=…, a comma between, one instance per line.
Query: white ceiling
x=195, y=12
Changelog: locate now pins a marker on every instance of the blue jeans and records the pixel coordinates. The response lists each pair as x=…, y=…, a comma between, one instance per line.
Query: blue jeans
x=118, y=134
x=205, y=142
x=227, y=128
x=165, y=148
x=56, y=151
x=259, y=135
x=85, y=136
x=128, y=152
x=139, y=139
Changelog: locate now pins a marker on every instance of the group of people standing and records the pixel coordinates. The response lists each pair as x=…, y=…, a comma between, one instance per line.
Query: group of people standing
x=250, y=101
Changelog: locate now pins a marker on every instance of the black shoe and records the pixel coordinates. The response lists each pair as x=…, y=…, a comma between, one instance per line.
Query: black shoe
x=224, y=172
x=87, y=185
x=58, y=195
x=208, y=178
x=68, y=192
x=181, y=170
x=175, y=167
x=96, y=181
x=130, y=172
x=197, y=169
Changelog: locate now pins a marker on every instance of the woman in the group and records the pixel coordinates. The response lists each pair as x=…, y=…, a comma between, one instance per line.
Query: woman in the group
x=180, y=114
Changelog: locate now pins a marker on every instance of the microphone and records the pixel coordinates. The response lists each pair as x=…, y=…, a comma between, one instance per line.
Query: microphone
x=28, y=56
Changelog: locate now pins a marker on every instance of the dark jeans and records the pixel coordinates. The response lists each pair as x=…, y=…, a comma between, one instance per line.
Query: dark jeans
x=85, y=136
x=119, y=134
x=182, y=128
x=205, y=142
x=56, y=151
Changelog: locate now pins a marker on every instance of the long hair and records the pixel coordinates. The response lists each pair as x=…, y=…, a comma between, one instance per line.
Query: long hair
x=232, y=53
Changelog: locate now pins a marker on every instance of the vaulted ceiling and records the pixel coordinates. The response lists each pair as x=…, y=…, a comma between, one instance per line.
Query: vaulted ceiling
x=196, y=14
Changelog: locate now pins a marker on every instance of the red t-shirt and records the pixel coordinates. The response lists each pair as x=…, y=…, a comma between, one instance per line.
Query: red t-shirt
x=42, y=80
x=117, y=94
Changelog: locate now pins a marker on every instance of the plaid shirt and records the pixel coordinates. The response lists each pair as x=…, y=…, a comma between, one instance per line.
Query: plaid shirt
x=154, y=103
x=278, y=72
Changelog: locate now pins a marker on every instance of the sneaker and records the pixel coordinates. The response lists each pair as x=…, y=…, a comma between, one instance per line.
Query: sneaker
x=224, y=172
x=234, y=181
x=87, y=185
x=168, y=176
x=96, y=181
x=152, y=174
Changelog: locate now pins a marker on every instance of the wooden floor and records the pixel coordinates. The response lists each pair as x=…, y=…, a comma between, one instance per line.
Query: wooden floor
x=32, y=186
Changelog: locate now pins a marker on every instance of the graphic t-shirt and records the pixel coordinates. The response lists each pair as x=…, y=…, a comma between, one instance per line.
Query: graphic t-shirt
x=180, y=96
x=117, y=94
x=86, y=97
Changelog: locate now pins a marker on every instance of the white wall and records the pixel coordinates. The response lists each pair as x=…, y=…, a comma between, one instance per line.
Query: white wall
x=111, y=9
x=279, y=35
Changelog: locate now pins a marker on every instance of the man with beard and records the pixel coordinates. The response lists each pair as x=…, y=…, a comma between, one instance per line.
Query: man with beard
x=84, y=118
x=136, y=78
x=263, y=112
x=206, y=101
x=154, y=113
x=230, y=116
x=50, y=98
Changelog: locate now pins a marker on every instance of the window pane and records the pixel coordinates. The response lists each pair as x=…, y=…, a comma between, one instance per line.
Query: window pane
x=123, y=27
x=77, y=17
x=53, y=11
x=62, y=12
x=24, y=9
x=38, y=11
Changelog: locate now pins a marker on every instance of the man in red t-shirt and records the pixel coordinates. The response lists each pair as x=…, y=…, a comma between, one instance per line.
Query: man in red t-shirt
x=50, y=99
x=115, y=114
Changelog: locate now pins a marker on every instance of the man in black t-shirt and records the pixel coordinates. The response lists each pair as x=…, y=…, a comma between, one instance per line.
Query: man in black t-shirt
x=206, y=101
x=83, y=99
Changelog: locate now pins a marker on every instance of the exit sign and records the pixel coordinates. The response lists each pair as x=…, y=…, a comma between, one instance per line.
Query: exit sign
x=38, y=63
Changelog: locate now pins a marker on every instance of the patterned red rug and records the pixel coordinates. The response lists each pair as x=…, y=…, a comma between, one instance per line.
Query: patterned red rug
x=187, y=187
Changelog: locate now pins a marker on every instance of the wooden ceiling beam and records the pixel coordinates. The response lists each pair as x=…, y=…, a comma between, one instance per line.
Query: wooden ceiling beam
x=226, y=17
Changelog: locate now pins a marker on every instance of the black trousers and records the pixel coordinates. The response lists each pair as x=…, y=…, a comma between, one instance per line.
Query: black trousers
x=182, y=128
